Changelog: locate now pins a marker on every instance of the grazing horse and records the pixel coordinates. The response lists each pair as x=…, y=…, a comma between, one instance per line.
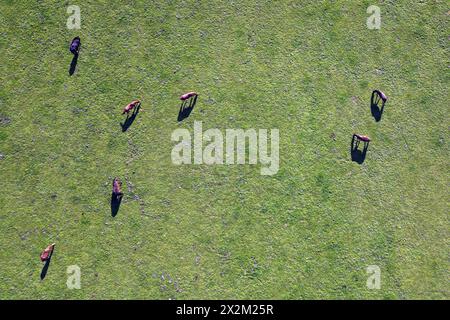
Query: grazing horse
x=75, y=45
x=117, y=188
x=376, y=96
x=381, y=95
x=47, y=253
x=131, y=106
x=188, y=95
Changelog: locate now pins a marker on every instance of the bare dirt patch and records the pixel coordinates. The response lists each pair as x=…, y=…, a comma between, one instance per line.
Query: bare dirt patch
x=4, y=120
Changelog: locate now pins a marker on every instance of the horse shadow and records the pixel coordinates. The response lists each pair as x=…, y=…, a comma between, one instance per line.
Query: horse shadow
x=185, y=110
x=73, y=64
x=357, y=155
x=129, y=120
x=46, y=266
x=115, y=204
x=375, y=109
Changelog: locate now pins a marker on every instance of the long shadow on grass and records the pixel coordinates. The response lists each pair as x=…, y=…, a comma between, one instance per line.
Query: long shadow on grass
x=357, y=155
x=73, y=64
x=185, y=109
x=115, y=204
x=129, y=120
x=375, y=109
x=46, y=266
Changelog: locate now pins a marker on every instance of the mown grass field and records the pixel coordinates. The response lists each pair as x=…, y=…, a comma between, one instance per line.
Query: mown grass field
x=306, y=68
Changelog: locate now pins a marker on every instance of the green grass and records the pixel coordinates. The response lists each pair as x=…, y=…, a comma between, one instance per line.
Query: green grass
x=306, y=68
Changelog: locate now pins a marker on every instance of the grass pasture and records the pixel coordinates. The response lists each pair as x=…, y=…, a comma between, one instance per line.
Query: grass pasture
x=306, y=68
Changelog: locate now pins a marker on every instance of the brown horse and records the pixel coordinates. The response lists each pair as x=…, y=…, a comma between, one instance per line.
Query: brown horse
x=361, y=137
x=47, y=253
x=117, y=188
x=188, y=95
x=131, y=106
x=381, y=95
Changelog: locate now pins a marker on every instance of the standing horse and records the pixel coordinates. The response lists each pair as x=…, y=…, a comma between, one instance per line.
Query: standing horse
x=117, y=188
x=75, y=45
x=360, y=138
x=47, y=253
x=188, y=95
x=131, y=106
